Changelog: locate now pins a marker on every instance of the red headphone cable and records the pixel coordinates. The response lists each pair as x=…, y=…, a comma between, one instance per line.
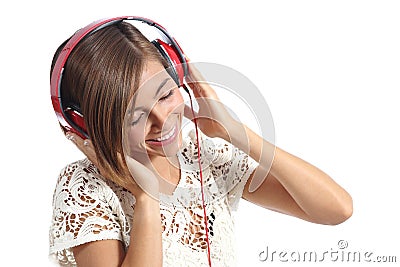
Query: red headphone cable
x=201, y=177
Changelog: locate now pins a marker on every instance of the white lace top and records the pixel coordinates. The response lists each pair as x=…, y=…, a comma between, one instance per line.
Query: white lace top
x=87, y=207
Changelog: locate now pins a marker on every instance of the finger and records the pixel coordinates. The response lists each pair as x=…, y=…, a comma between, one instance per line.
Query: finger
x=186, y=58
x=201, y=88
x=143, y=177
x=195, y=74
x=198, y=83
x=196, y=88
x=189, y=113
x=78, y=141
x=205, y=110
x=85, y=146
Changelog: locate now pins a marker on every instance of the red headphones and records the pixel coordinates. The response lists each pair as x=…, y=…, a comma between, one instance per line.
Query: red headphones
x=70, y=117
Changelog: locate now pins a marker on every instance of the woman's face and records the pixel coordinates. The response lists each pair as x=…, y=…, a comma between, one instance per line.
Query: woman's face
x=154, y=117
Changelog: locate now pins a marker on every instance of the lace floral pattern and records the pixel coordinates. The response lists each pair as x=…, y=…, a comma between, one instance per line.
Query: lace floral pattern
x=87, y=207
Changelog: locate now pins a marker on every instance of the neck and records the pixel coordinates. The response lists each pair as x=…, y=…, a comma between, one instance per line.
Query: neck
x=168, y=171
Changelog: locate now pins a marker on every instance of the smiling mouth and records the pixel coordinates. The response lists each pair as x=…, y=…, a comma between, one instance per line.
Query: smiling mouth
x=165, y=139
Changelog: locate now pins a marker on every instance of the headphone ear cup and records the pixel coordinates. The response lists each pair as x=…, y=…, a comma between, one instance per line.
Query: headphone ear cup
x=171, y=55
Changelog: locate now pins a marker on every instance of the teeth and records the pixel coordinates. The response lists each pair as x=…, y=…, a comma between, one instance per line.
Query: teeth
x=167, y=136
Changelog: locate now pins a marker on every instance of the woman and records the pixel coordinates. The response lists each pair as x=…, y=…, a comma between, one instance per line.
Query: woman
x=144, y=207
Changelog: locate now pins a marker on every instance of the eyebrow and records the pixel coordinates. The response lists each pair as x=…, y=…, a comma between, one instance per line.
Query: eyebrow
x=160, y=87
x=155, y=95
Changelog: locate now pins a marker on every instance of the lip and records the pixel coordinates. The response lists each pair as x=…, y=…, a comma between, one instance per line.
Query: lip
x=167, y=141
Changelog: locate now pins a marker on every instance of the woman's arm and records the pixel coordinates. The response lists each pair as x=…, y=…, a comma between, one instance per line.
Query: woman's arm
x=292, y=185
x=284, y=183
x=146, y=243
x=145, y=247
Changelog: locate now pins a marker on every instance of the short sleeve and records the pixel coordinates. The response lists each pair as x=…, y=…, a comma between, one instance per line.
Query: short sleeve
x=82, y=212
x=231, y=168
x=243, y=166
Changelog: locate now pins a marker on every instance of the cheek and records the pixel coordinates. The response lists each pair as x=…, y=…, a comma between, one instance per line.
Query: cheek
x=135, y=136
x=177, y=103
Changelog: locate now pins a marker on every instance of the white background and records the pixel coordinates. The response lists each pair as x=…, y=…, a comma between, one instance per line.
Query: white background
x=329, y=71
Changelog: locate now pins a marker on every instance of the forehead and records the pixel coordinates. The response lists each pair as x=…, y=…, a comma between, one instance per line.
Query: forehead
x=152, y=70
x=154, y=80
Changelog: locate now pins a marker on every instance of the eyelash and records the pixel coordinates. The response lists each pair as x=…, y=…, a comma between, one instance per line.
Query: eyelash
x=171, y=92
x=138, y=119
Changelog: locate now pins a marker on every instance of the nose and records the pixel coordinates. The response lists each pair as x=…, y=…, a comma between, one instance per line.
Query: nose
x=158, y=116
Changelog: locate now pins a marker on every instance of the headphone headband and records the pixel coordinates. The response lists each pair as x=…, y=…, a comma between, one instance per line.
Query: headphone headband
x=73, y=121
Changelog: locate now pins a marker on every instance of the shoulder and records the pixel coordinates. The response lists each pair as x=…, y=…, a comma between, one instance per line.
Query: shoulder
x=86, y=207
x=220, y=157
x=80, y=165
x=80, y=185
x=229, y=166
x=210, y=147
x=82, y=172
x=215, y=151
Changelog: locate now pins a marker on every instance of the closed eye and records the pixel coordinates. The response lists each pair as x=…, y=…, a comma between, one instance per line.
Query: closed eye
x=170, y=93
x=138, y=119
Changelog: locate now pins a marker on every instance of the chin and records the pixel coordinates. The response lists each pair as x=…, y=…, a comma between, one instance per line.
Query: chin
x=168, y=147
x=167, y=151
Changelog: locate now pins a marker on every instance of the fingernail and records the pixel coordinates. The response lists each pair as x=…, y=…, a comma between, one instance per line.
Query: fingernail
x=70, y=137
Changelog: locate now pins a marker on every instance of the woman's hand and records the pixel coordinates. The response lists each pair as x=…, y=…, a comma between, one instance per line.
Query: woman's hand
x=146, y=241
x=142, y=180
x=212, y=118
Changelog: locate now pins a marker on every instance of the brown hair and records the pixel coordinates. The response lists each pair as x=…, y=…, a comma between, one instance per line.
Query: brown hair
x=100, y=76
